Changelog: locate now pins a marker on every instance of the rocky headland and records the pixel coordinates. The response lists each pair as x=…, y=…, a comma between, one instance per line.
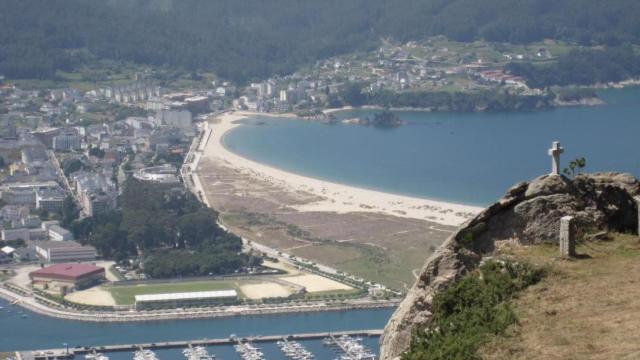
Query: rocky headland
x=529, y=213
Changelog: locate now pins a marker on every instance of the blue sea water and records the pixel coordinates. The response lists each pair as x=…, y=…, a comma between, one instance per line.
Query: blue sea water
x=468, y=158
x=42, y=332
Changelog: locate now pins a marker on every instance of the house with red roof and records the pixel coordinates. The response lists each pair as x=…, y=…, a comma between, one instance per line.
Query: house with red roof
x=65, y=278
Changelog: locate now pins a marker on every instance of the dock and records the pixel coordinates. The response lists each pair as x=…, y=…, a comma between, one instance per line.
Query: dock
x=73, y=351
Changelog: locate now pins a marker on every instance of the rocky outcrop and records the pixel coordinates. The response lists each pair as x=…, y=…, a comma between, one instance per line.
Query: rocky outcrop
x=529, y=213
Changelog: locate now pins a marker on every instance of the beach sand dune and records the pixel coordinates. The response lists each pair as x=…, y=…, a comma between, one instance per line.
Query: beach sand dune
x=375, y=235
x=328, y=196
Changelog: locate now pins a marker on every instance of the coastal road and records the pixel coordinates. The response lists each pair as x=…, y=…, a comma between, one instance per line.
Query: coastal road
x=29, y=302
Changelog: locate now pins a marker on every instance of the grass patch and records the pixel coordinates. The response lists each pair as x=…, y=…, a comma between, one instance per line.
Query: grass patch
x=392, y=266
x=125, y=295
x=470, y=311
x=585, y=308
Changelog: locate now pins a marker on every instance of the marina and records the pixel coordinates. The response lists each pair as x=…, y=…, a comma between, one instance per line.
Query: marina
x=349, y=348
x=294, y=350
x=342, y=340
x=248, y=351
x=144, y=354
x=197, y=353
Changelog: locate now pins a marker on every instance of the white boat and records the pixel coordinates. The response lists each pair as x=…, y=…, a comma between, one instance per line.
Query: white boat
x=197, y=353
x=144, y=354
x=248, y=351
x=95, y=356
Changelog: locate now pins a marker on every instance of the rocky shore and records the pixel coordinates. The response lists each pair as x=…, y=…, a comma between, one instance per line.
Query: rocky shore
x=529, y=213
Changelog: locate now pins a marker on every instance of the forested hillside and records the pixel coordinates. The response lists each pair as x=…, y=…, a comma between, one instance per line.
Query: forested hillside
x=246, y=39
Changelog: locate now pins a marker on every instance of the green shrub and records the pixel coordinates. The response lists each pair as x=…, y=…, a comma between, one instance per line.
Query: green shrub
x=467, y=313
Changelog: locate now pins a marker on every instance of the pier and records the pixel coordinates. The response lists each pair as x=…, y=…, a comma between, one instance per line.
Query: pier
x=73, y=351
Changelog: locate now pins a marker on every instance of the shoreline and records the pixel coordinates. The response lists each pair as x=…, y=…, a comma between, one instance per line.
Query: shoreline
x=177, y=314
x=335, y=197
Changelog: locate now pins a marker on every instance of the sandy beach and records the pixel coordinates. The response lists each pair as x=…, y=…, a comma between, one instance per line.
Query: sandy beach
x=332, y=197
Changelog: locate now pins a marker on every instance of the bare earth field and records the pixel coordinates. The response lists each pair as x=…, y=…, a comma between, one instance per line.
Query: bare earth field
x=265, y=290
x=93, y=296
x=375, y=245
x=587, y=308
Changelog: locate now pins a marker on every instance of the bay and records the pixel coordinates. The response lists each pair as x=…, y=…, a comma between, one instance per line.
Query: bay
x=469, y=158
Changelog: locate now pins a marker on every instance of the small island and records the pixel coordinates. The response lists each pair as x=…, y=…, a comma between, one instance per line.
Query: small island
x=385, y=118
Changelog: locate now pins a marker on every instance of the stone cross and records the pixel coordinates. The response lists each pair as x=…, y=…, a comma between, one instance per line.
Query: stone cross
x=554, y=152
x=567, y=237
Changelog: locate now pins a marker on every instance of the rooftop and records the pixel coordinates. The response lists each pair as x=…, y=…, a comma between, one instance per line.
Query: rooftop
x=59, y=244
x=68, y=271
x=188, y=295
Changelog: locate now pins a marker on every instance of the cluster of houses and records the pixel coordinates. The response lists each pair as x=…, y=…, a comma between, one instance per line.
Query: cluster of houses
x=50, y=157
x=407, y=67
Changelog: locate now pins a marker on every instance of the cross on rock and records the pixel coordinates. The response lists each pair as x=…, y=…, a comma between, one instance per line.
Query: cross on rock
x=554, y=152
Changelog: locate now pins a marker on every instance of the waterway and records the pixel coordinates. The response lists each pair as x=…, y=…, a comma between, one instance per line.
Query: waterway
x=41, y=332
x=468, y=158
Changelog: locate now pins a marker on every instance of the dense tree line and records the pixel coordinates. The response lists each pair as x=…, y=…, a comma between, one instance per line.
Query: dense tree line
x=582, y=67
x=175, y=232
x=446, y=101
x=244, y=40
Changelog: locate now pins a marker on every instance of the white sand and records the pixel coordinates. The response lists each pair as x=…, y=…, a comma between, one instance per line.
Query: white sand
x=93, y=296
x=337, y=198
x=316, y=283
x=265, y=290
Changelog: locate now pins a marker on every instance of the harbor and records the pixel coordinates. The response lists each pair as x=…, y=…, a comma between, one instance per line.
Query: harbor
x=244, y=345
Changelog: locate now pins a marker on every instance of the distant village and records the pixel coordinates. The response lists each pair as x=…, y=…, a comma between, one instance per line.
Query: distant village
x=433, y=65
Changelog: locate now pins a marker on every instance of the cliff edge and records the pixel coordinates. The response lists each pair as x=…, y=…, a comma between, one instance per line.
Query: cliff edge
x=529, y=213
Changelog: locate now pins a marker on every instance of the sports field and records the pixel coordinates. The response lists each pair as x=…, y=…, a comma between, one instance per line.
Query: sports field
x=125, y=295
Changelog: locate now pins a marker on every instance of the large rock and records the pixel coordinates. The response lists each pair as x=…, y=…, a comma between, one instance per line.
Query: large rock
x=529, y=213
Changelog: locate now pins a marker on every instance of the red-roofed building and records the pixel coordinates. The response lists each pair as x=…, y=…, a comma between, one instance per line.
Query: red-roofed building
x=65, y=278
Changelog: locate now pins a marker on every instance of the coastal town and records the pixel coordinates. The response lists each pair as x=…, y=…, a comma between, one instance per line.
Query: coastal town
x=67, y=156
x=67, y=153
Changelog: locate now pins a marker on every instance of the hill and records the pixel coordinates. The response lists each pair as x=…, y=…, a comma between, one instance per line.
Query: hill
x=245, y=40
x=584, y=308
x=465, y=291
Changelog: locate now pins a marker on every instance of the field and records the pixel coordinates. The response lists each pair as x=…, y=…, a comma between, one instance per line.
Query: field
x=125, y=295
x=315, y=283
x=392, y=265
x=269, y=287
x=587, y=308
x=93, y=296
x=264, y=290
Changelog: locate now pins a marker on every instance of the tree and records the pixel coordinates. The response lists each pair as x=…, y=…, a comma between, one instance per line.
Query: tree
x=97, y=152
x=578, y=163
x=69, y=212
x=69, y=167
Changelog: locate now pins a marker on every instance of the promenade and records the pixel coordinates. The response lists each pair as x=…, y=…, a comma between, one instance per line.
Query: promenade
x=30, y=303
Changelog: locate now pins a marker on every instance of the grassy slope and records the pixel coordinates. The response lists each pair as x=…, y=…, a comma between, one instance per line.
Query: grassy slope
x=588, y=308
